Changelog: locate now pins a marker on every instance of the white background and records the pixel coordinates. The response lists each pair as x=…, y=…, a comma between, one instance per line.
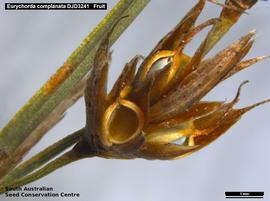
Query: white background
x=34, y=43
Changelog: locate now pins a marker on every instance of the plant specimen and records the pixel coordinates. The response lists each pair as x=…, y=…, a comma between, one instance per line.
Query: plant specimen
x=155, y=112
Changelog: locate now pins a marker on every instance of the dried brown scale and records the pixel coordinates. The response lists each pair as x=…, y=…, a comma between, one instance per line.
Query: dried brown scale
x=124, y=79
x=158, y=113
x=96, y=93
x=231, y=118
x=198, y=110
x=173, y=38
x=198, y=56
x=243, y=65
x=172, y=74
x=199, y=82
x=214, y=119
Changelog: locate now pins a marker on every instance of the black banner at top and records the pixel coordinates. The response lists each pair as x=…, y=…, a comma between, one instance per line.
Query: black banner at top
x=55, y=6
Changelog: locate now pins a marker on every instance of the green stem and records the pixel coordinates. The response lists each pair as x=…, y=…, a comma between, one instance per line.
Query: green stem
x=59, y=162
x=42, y=157
x=46, y=107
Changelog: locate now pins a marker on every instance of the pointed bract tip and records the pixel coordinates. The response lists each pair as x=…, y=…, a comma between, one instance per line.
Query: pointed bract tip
x=253, y=31
x=249, y=108
x=237, y=97
x=263, y=57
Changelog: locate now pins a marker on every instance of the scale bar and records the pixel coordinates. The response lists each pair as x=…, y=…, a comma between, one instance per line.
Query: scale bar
x=245, y=197
x=244, y=194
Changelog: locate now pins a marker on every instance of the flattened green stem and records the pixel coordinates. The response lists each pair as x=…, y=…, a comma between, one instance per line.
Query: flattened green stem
x=59, y=162
x=46, y=107
x=42, y=157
